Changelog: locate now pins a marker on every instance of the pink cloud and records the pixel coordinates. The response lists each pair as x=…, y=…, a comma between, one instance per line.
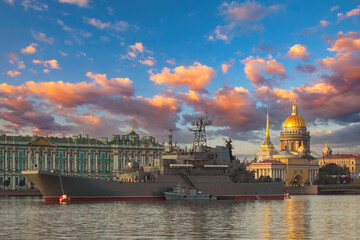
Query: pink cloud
x=324, y=23
x=14, y=59
x=225, y=66
x=230, y=107
x=13, y=73
x=194, y=77
x=42, y=37
x=53, y=64
x=97, y=23
x=29, y=49
x=255, y=66
x=242, y=17
x=298, y=51
x=351, y=13
x=80, y=3
x=149, y=61
x=346, y=42
x=249, y=10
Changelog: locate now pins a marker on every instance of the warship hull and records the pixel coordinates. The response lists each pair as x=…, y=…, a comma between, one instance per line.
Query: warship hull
x=53, y=185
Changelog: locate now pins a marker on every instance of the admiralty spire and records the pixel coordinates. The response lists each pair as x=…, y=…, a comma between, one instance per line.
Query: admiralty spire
x=267, y=149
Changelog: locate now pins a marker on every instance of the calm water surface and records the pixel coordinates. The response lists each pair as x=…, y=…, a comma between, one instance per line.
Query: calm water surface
x=320, y=217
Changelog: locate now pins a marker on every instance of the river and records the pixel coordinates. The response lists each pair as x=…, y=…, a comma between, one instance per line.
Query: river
x=320, y=217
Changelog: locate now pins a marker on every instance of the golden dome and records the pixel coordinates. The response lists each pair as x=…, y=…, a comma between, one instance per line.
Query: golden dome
x=294, y=120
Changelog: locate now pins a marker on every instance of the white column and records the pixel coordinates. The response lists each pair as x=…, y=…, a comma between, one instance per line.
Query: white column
x=89, y=162
x=68, y=160
x=46, y=162
x=37, y=159
x=116, y=162
x=75, y=162
x=6, y=161
x=96, y=162
x=28, y=159
x=13, y=160
x=54, y=163
x=255, y=174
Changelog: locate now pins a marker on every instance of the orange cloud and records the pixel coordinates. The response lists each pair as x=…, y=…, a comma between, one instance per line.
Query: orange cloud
x=149, y=61
x=14, y=59
x=255, y=66
x=13, y=73
x=194, y=77
x=230, y=107
x=29, y=49
x=346, y=42
x=324, y=23
x=225, y=66
x=351, y=13
x=123, y=86
x=298, y=51
x=346, y=65
x=53, y=64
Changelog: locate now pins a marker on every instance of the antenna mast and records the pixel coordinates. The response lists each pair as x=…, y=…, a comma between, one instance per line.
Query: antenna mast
x=199, y=132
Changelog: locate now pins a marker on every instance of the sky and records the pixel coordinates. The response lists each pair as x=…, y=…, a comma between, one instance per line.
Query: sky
x=70, y=67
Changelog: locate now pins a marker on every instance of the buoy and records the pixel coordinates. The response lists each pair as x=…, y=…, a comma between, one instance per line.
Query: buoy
x=64, y=199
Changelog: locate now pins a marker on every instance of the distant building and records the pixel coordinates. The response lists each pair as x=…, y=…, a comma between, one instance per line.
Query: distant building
x=293, y=163
x=76, y=155
x=351, y=161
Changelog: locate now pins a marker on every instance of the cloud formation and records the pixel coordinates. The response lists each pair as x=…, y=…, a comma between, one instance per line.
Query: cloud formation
x=53, y=64
x=29, y=49
x=118, y=26
x=225, y=66
x=255, y=67
x=351, y=13
x=241, y=18
x=14, y=59
x=346, y=42
x=13, y=73
x=80, y=3
x=194, y=77
x=42, y=37
x=298, y=51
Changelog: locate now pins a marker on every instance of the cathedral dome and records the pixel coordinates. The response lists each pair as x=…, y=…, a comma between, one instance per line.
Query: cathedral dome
x=294, y=120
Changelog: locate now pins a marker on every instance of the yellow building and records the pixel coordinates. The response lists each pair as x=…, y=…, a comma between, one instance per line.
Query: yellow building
x=293, y=167
x=351, y=161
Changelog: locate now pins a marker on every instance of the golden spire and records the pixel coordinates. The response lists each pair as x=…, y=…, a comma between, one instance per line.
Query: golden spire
x=132, y=128
x=267, y=124
x=294, y=109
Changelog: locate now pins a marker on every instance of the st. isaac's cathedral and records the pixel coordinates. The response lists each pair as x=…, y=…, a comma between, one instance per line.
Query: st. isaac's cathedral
x=292, y=164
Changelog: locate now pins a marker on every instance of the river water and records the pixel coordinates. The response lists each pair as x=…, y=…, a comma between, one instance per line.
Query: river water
x=320, y=217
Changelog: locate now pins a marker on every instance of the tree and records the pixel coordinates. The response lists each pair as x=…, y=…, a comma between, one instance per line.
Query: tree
x=333, y=169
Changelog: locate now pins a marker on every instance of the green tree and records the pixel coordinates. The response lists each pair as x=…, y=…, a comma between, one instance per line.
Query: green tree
x=333, y=169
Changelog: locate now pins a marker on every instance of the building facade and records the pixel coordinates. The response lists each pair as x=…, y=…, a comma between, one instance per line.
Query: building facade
x=351, y=161
x=292, y=164
x=77, y=155
x=295, y=136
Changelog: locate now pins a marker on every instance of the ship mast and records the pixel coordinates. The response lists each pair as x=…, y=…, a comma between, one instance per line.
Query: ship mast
x=200, y=133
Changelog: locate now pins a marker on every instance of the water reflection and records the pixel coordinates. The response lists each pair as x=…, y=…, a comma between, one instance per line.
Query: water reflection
x=296, y=218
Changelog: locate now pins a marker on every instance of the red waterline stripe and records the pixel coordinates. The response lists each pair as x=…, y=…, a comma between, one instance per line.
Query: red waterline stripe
x=93, y=199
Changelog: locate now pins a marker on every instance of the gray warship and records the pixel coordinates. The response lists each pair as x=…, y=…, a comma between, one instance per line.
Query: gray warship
x=213, y=171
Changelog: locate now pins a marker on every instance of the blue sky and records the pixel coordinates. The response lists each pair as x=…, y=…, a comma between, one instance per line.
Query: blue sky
x=99, y=67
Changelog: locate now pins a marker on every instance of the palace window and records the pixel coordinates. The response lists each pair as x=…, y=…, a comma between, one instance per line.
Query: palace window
x=64, y=165
x=57, y=164
x=1, y=165
x=85, y=165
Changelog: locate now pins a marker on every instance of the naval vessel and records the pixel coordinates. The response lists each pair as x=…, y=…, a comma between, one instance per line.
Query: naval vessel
x=211, y=170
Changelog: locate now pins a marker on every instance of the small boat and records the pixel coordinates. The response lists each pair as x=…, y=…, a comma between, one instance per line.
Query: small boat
x=287, y=196
x=180, y=193
x=64, y=199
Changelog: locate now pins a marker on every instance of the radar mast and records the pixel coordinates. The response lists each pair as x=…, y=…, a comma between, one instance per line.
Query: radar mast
x=200, y=133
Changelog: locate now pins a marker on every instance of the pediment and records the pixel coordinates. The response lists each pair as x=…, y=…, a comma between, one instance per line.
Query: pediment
x=41, y=141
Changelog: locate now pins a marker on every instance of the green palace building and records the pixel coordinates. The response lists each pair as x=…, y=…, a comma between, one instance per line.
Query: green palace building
x=78, y=155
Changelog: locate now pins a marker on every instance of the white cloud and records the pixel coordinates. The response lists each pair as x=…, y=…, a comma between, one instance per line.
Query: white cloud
x=80, y=3
x=29, y=49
